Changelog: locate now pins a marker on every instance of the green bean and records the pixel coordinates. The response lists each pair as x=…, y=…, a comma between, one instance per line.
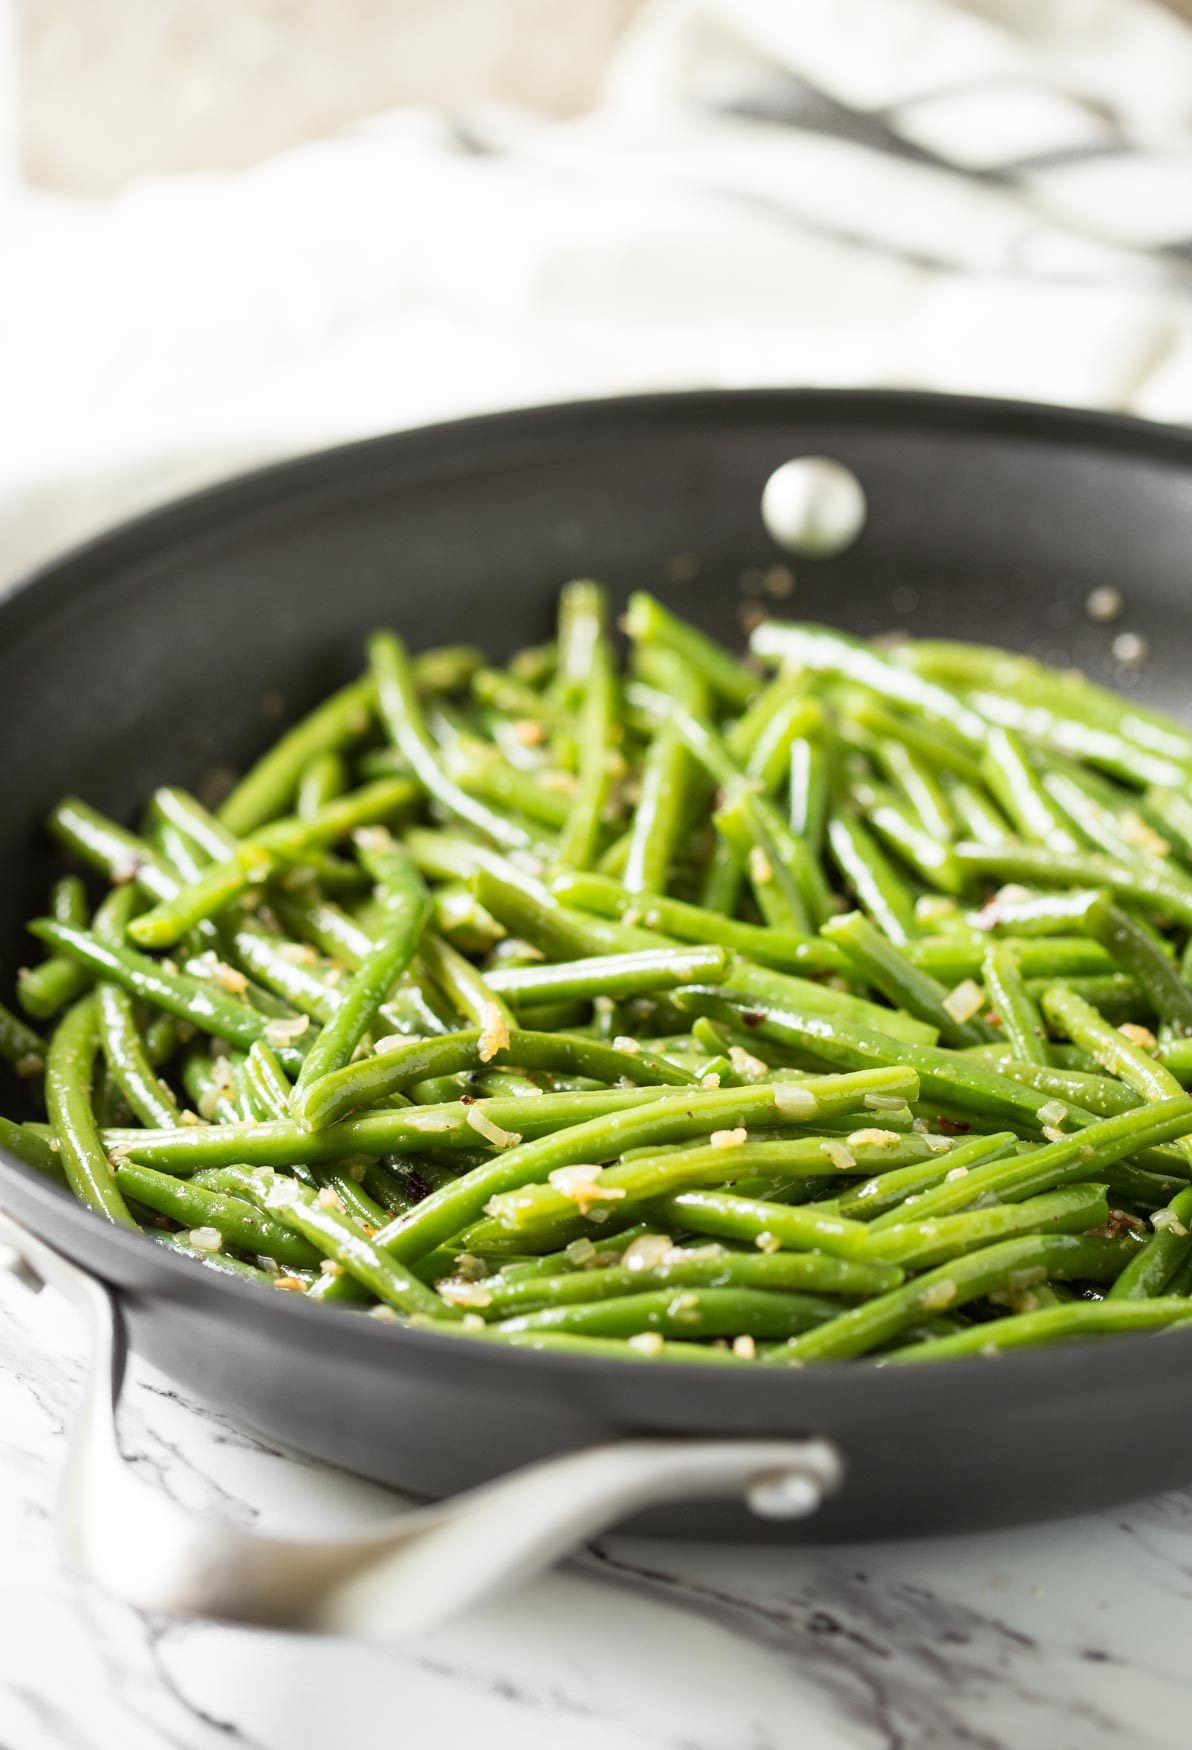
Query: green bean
x=918, y=1245
x=1176, y=1055
x=943, y=756
x=721, y=882
x=179, y=994
x=1045, y=915
x=769, y=755
x=470, y=994
x=703, y=1312
x=354, y=1199
x=447, y=668
x=872, y=879
x=256, y=859
x=583, y=622
x=1038, y=863
x=794, y=854
x=720, y=1037
x=70, y=1062
x=398, y=1068
x=666, y=782
x=824, y=652
x=648, y=622
x=773, y=881
x=30, y=1146
x=943, y=1075
x=1008, y=997
x=1051, y=1324
x=1085, y=1155
x=374, y=1135
x=389, y=1189
x=914, y=777
x=1019, y=792
x=600, y=1348
x=1136, y=952
x=407, y=908
x=1181, y=1280
x=402, y=716
x=879, y=963
x=267, y=1093
x=533, y=915
x=536, y=1207
x=709, y=1267
x=1151, y=1269
x=1064, y=710
x=491, y=686
x=956, y=957
x=977, y=816
x=102, y=845
x=206, y=840
x=1015, y=1265
x=44, y=990
x=1116, y=1053
x=277, y=966
x=1118, y=997
x=19, y=1044
x=785, y=950
x=119, y=1036
x=255, y=1186
x=1169, y=813
x=324, y=777
x=898, y=829
x=318, y=1218
x=575, y=1257
x=598, y=731
x=808, y=791
x=328, y=927
x=767, y=1225
x=222, y=1263
x=1091, y=1092
x=209, y=1085
x=889, y=1190
x=808, y=998
x=670, y=1117
x=615, y=975
x=1103, y=826
x=241, y=1225
x=202, y=836
x=461, y=920
x=752, y=820
x=481, y=770
x=269, y=787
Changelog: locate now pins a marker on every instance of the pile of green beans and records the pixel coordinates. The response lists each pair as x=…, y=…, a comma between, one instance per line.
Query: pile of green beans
x=824, y=1003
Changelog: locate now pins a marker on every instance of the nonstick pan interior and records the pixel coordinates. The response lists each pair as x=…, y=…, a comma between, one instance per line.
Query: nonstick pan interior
x=170, y=646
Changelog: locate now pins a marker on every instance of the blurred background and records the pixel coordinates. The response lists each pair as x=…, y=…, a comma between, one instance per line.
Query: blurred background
x=115, y=89
x=234, y=229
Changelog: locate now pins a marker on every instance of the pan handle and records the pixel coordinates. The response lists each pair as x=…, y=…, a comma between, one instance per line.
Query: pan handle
x=412, y=1571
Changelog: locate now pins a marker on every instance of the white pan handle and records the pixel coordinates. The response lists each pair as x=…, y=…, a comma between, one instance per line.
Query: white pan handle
x=406, y=1574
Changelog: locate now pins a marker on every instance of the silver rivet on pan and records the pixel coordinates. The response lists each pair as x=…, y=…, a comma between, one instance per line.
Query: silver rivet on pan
x=813, y=506
x=784, y=1494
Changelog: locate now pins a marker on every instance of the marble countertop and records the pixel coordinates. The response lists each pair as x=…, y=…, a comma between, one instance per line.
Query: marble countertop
x=1069, y=1637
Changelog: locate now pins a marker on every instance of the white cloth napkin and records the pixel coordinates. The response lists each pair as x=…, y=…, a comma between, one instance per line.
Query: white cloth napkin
x=976, y=195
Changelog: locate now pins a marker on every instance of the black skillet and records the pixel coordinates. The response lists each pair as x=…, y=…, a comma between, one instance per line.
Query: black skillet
x=155, y=652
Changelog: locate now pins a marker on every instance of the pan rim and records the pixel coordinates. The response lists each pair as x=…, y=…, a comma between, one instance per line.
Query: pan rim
x=251, y=495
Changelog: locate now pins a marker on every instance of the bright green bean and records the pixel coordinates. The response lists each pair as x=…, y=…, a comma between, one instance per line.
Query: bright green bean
x=268, y=788
x=406, y=910
x=1009, y=1265
x=70, y=1063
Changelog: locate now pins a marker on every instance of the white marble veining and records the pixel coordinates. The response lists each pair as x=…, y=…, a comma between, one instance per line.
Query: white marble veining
x=1073, y=1637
